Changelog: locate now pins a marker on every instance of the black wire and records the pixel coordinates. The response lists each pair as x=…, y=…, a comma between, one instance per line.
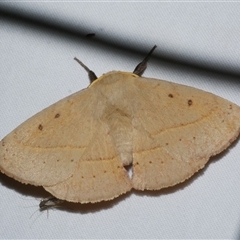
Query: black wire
x=66, y=30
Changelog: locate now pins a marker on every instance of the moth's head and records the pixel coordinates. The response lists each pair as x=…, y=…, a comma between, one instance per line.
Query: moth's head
x=113, y=77
x=138, y=71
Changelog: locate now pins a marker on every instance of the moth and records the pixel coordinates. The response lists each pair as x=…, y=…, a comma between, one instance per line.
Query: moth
x=78, y=148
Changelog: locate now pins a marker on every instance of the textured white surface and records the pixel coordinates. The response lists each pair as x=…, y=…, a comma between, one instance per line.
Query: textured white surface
x=37, y=69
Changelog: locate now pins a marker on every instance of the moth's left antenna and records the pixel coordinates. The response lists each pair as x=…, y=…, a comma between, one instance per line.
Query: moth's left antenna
x=91, y=75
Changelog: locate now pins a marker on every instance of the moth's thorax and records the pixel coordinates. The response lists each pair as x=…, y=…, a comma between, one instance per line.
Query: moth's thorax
x=114, y=92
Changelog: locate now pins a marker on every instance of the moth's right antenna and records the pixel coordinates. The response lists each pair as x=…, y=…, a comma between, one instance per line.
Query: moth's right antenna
x=141, y=67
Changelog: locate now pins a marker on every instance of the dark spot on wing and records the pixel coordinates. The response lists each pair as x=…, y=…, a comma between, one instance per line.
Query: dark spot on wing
x=190, y=102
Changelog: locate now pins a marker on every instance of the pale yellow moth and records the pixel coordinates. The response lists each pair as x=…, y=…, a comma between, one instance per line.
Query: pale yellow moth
x=77, y=148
